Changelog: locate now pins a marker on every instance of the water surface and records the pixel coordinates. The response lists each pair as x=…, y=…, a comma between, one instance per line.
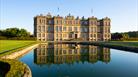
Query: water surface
x=70, y=60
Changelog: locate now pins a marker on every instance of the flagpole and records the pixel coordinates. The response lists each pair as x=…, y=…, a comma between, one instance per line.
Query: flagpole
x=58, y=10
x=92, y=12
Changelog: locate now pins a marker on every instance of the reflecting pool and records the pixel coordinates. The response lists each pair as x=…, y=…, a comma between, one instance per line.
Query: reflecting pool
x=73, y=60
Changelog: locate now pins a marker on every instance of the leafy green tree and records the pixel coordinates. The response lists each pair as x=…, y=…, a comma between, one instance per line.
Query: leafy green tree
x=116, y=36
x=22, y=33
x=11, y=32
x=125, y=36
x=1, y=32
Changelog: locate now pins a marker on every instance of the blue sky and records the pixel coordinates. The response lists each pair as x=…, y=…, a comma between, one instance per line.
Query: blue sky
x=20, y=13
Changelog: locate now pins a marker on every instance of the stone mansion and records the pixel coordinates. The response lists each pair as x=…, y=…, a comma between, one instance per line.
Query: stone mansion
x=69, y=28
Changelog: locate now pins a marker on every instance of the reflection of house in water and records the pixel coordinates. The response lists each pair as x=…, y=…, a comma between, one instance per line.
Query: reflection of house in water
x=69, y=53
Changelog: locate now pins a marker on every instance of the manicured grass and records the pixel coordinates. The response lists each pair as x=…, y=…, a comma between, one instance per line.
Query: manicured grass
x=17, y=69
x=6, y=45
x=10, y=46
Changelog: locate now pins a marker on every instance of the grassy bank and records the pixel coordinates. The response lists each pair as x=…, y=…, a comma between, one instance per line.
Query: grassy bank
x=9, y=46
x=17, y=69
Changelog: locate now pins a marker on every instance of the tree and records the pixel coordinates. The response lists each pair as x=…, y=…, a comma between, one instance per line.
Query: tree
x=116, y=36
x=22, y=33
x=11, y=32
x=14, y=32
x=125, y=36
x=1, y=32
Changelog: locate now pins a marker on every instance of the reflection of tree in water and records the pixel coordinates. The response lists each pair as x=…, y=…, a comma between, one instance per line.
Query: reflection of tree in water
x=70, y=53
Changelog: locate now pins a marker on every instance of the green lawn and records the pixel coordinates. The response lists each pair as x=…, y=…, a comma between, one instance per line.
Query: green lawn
x=13, y=44
x=16, y=67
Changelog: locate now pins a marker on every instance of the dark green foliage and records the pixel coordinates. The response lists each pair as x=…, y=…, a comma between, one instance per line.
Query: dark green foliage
x=15, y=34
x=128, y=36
x=133, y=34
x=116, y=36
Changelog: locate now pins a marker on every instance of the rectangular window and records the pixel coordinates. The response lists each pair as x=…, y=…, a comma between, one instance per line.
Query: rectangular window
x=61, y=22
x=91, y=22
x=39, y=35
x=43, y=35
x=94, y=35
x=60, y=35
x=94, y=29
x=91, y=29
x=60, y=28
x=99, y=35
x=75, y=29
x=108, y=35
x=98, y=23
x=70, y=28
x=56, y=35
x=76, y=22
x=105, y=35
x=56, y=28
x=57, y=21
x=85, y=30
x=85, y=22
x=50, y=22
x=64, y=51
x=64, y=35
x=82, y=29
x=49, y=29
x=64, y=28
x=39, y=28
x=95, y=23
x=70, y=35
x=40, y=20
x=105, y=29
x=43, y=28
x=108, y=23
x=70, y=51
x=108, y=30
x=98, y=29
x=85, y=36
x=91, y=35
x=105, y=23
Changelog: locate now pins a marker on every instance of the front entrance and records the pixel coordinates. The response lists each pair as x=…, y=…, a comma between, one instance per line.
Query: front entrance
x=75, y=36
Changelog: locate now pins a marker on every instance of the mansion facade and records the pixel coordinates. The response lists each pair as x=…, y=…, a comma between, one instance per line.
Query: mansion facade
x=58, y=28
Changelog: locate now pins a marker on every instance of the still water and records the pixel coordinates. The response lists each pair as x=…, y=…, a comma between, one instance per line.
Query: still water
x=70, y=60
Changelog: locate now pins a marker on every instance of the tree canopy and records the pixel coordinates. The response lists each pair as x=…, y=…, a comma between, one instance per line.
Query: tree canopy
x=125, y=35
x=14, y=32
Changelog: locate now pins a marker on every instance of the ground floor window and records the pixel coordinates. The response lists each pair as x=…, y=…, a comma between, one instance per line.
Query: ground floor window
x=70, y=35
